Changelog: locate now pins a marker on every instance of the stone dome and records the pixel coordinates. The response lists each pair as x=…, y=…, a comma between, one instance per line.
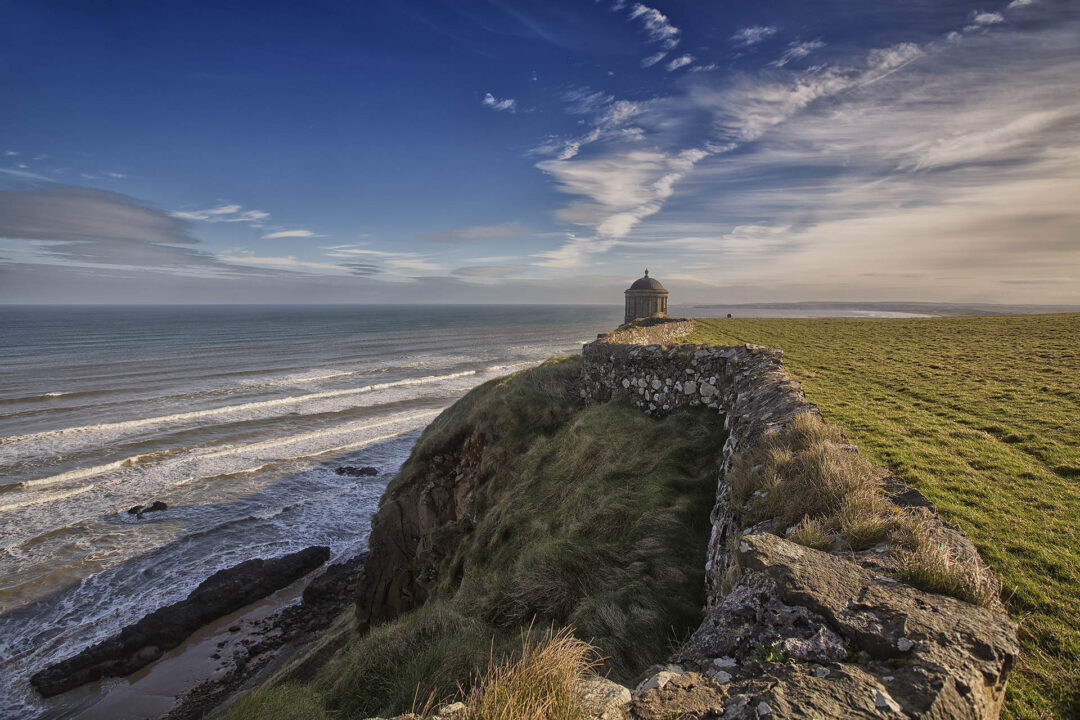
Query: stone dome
x=646, y=283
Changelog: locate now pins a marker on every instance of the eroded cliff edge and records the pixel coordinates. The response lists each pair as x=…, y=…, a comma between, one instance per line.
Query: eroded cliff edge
x=822, y=627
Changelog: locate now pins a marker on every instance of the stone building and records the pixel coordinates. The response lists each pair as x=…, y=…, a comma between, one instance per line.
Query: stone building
x=646, y=298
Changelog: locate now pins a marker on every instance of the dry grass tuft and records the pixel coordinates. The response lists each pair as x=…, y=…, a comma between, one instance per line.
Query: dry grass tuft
x=811, y=533
x=933, y=566
x=540, y=684
x=804, y=472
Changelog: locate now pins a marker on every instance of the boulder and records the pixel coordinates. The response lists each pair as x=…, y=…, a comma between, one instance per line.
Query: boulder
x=353, y=471
x=602, y=698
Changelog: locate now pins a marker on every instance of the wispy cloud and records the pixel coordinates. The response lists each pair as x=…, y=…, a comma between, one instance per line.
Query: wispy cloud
x=290, y=234
x=619, y=190
x=797, y=51
x=488, y=271
x=981, y=20
x=228, y=213
x=611, y=118
x=658, y=30
x=679, y=62
x=753, y=35
x=392, y=263
x=95, y=227
x=500, y=104
x=283, y=263
x=1019, y=3
x=476, y=233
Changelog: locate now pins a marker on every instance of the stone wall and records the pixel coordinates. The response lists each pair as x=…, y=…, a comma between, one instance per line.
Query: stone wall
x=799, y=633
x=649, y=330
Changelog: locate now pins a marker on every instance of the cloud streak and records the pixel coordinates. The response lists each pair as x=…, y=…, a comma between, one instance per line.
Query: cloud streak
x=797, y=51
x=499, y=104
x=290, y=234
x=753, y=35
x=476, y=233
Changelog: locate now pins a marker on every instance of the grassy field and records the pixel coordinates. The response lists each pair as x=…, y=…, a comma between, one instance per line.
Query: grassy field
x=983, y=416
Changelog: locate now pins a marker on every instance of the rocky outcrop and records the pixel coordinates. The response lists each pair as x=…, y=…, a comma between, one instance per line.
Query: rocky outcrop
x=144, y=642
x=813, y=635
x=402, y=564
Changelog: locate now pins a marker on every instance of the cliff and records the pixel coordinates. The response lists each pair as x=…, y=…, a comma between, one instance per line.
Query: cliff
x=685, y=509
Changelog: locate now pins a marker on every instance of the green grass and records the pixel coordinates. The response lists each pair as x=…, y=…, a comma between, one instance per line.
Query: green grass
x=594, y=518
x=983, y=416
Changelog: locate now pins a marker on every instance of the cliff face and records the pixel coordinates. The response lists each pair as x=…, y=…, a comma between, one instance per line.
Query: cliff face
x=525, y=504
x=404, y=559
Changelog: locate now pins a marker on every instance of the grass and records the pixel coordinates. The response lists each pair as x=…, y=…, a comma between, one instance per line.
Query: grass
x=593, y=519
x=807, y=470
x=537, y=681
x=982, y=415
x=539, y=684
x=933, y=566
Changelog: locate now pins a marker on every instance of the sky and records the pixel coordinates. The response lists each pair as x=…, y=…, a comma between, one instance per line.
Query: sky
x=536, y=151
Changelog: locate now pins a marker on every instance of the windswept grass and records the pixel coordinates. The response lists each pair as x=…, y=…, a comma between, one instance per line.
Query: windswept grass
x=983, y=416
x=541, y=683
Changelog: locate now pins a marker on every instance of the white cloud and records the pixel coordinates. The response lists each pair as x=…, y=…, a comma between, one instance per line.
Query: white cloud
x=394, y=263
x=289, y=234
x=679, y=62
x=610, y=118
x=1019, y=3
x=286, y=263
x=753, y=35
x=796, y=51
x=915, y=179
x=656, y=26
x=981, y=19
x=229, y=213
x=501, y=105
x=987, y=18
x=10, y=153
x=617, y=192
x=653, y=59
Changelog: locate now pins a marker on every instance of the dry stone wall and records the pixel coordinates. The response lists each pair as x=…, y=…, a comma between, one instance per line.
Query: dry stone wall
x=801, y=633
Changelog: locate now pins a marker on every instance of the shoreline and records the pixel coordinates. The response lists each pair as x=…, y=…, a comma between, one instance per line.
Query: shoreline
x=227, y=654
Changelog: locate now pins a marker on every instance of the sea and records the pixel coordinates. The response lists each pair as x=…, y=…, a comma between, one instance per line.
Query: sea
x=236, y=418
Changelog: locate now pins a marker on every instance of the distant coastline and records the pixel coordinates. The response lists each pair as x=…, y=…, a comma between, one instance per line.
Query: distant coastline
x=870, y=309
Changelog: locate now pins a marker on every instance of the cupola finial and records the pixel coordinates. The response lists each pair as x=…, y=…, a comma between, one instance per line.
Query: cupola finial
x=646, y=272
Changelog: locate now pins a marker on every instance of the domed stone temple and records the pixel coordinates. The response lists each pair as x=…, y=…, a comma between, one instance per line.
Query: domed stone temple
x=646, y=298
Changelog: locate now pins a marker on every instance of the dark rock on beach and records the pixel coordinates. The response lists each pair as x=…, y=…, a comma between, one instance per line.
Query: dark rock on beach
x=140, y=644
x=140, y=510
x=353, y=471
x=324, y=599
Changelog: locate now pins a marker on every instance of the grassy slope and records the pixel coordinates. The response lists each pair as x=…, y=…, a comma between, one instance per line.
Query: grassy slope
x=592, y=517
x=983, y=416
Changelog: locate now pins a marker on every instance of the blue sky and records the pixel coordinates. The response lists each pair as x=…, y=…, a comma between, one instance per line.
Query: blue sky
x=500, y=151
